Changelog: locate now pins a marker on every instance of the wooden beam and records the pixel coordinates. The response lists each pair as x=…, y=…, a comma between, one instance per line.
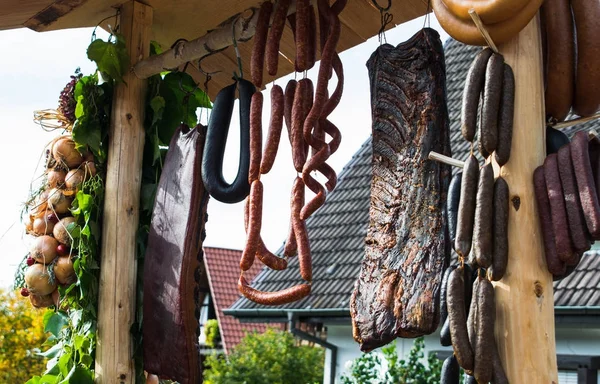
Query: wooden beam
x=215, y=40
x=524, y=299
x=243, y=24
x=116, y=308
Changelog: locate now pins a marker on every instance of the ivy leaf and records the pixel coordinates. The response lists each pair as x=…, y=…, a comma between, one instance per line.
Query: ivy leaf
x=111, y=58
x=182, y=100
x=65, y=363
x=148, y=196
x=55, y=323
x=74, y=230
x=155, y=48
x=158, y=106
x=48, y=379
x=52, y=352
x=82, y=376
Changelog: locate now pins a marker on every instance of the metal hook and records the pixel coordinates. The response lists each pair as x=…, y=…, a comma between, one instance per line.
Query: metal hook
x=382, y=9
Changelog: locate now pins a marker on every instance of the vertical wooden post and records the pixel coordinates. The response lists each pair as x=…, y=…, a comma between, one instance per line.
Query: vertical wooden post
x=524, y=299
x=116, y=308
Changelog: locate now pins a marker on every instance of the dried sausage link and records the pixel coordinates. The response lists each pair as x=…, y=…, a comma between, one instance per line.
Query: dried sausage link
x=298, y=143
x=555, y=266
x=485, y=342
x=482, y=229
x=290, y=91
x=585, y=183
x=256, y=107
x=302, y=34
x=492, y=91
x=466, y=207
x=275, y=127
x=264, y=255
x=577, y=227
x=254, y=225
x=275, y=33
x=472, y=318
x=290, y=248
x=260, y=42
x=458, y=319
x=506, y=117
x=560, y=222
x=301, y=235
x=587, y=82
x=471, y=94
x=336, y=96
x=501, y=206
x=284, y=296
x=312, y=164
x=312, y=38
x=559, y=59
x=450, y=373
x=323, y=77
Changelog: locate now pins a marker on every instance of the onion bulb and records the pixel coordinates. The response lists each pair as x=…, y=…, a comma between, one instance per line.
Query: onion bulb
x=58, y=201
x=63, y=270
x=90, y=169
x=44, y=249
x=75, y=178
x=41, y=301
x=38, y=281
x=56, y=178
x=64, y=152
x=45, y=224
x=61, y=233
x=39, y=204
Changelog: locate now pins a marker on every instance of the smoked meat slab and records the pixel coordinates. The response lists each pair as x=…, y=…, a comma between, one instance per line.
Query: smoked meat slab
x=173, y=263
x=396, y=294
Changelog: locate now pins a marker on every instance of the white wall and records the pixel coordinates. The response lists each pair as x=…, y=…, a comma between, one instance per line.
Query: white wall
x=348, y=349
x=569, y=341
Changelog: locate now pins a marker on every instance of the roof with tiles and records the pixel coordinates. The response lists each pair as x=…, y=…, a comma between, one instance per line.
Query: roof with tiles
x=338, y=229
x=222, y=266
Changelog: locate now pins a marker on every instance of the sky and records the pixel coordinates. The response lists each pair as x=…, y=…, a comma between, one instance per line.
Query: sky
x=36, y=67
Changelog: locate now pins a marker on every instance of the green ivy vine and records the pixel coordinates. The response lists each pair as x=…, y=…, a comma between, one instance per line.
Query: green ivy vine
x=173, y=98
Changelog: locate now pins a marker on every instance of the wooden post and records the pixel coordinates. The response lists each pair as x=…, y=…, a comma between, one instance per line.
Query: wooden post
x=116, y=308
x=524, y=299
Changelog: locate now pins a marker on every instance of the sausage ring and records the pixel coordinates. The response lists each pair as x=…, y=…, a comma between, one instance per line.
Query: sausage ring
x=490, y=11
x=216, y=137
x=466, y=32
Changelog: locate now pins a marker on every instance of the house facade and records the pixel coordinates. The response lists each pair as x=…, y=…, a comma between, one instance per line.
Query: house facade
x=337, y=233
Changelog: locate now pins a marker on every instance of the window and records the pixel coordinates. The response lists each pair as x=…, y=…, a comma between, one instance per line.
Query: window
x=207, y=312
x=567, y=377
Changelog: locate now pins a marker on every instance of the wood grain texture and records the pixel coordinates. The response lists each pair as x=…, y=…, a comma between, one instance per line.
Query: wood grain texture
x=524, y=301
x=191, y=19
x=398, y=288
x=116, y=307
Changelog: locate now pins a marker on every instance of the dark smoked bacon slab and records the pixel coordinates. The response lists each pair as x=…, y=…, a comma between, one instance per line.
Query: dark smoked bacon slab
x=397, y=292
x=172, y=265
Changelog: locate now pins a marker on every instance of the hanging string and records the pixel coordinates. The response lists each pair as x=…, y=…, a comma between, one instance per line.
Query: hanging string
x=385, y=19
x=111, y=30
x=427, y=18
x=237, y=52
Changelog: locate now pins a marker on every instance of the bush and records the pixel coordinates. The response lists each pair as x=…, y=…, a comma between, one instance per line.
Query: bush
x=268, y=358
x=213, y=336
x=368, y=369
x=21, y=335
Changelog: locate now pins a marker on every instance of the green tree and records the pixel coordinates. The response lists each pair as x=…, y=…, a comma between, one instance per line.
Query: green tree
x=21, y=335
x=268, y=358
x=369, y=369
